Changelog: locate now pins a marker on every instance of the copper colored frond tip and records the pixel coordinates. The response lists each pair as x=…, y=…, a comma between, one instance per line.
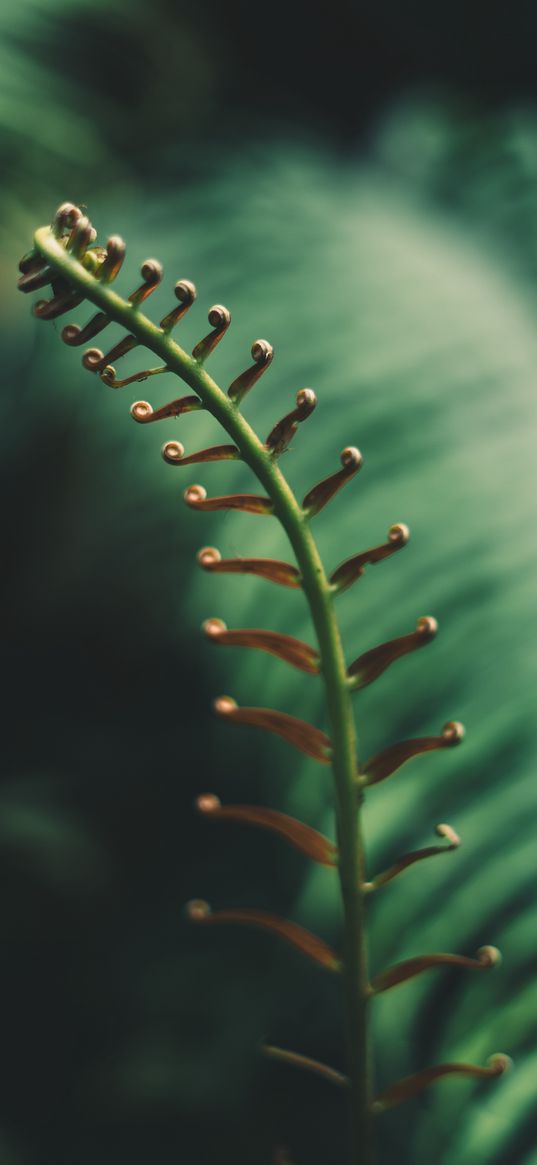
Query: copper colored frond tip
x=485, y=958
x=115, y=246
x=214, y=627
x=489, y=956
x=208, y=555
x=66, y=217
x=285, y=647
x=303, y=736
x=109, y=377
x=185, y=291
x=399, y=532
x=427, y=625
x=80, y=238
x=67, y=211
x=196, y=497
x=171, y=450
x=306, y=398
x=113, y=260
x=307, y=943
x=353, y=568
x=283, y=432
x=453, y=731
x=224, y=705
x=140, y=410
x=384, y=763
x=144, y=412
x=151, y=272
x=208, y=803
x=219, y=318
x=409, y=859
x=373, y=663
x=302, y=837
x=351, y=456
x=92, y=358
x=262, y=353
x=317, y=498
x=96, y=361
x=194, y=494
x=271, y=569
x=197, y=910
x=411, y=1086
x=447, y=831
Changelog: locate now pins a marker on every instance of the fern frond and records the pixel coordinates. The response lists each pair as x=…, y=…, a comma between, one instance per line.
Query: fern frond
x=67, y=257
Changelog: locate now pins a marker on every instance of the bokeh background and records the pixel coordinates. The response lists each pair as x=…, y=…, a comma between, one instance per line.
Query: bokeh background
x=358, y=184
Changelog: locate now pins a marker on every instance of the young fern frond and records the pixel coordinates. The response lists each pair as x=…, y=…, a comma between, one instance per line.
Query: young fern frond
x=64, y=255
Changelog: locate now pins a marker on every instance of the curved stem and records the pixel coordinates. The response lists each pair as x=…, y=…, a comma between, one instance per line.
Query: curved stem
x=319, y=595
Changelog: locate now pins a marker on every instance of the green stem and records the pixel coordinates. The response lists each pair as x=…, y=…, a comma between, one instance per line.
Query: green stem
x=321, y=601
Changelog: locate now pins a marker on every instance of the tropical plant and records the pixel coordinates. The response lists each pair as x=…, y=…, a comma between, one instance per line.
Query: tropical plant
x=67, y=257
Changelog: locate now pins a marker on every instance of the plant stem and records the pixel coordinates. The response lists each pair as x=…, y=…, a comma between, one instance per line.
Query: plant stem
x=320, y=598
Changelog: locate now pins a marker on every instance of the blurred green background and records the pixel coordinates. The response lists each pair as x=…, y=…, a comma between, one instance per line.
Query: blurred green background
x=359, y=185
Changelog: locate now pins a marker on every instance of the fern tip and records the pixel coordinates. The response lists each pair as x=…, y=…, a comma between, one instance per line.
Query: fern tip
x=500, y=1062
x=353, y=568
x=262, y=353
x=446, y=831
x=427, y=626
x=66, y=217
x=489, y=956
x=207, y=803
x=208, y=556
x=224, y=705
x=283, y=432
x=411, y=1086
x=141, y=410
x=399, y=533
x=219, y=318
x=172, y=451
x=185, y=292
x=317, y=498
x=453, y=732
x=197, y=910
x=174, y=454
x=213, y=628
x=113, y=259
x=82, y=234
x=194, y=494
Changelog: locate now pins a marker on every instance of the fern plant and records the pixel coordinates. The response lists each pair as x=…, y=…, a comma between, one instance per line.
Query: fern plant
x=67, y=257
